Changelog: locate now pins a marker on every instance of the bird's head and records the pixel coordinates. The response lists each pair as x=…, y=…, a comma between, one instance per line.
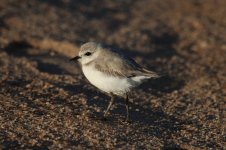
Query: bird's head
x=88, y=52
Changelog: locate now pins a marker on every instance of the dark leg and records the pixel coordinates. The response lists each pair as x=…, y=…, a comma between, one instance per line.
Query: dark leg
x=127, y=107
x=109, y=105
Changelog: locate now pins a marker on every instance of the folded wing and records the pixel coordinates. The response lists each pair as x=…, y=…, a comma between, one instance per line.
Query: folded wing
x=117, y=64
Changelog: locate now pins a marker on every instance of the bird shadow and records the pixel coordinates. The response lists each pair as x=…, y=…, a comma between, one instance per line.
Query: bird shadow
x=45, y=63
x=162, y=85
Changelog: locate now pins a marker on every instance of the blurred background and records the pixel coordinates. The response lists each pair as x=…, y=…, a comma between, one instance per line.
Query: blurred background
x=46, y=103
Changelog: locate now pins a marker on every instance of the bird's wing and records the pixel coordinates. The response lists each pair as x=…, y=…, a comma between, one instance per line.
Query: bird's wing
x=117, y=64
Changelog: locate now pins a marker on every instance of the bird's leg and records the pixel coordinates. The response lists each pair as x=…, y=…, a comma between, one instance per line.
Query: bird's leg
x=127, y=107
x=109, y=105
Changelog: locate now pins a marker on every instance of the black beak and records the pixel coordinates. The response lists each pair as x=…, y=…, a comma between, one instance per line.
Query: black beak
x=76, y=58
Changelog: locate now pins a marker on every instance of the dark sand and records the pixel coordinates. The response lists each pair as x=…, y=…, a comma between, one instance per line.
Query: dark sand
x=46, y=103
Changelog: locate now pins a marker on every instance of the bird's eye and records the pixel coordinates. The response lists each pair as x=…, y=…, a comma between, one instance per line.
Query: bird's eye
x=88, y=54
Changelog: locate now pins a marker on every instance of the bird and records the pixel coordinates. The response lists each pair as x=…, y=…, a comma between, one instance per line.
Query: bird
x=112, y=71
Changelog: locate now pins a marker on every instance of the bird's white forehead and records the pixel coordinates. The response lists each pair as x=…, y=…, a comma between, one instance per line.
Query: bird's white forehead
x=90, y=46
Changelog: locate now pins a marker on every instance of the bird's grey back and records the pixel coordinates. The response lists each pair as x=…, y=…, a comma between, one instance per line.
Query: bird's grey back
x=115, y=62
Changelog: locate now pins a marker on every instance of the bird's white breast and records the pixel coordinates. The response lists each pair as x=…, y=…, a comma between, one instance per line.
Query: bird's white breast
x=107, y=83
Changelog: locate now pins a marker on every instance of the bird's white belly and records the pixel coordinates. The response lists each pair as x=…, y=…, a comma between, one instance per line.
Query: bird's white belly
x=106, y=83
